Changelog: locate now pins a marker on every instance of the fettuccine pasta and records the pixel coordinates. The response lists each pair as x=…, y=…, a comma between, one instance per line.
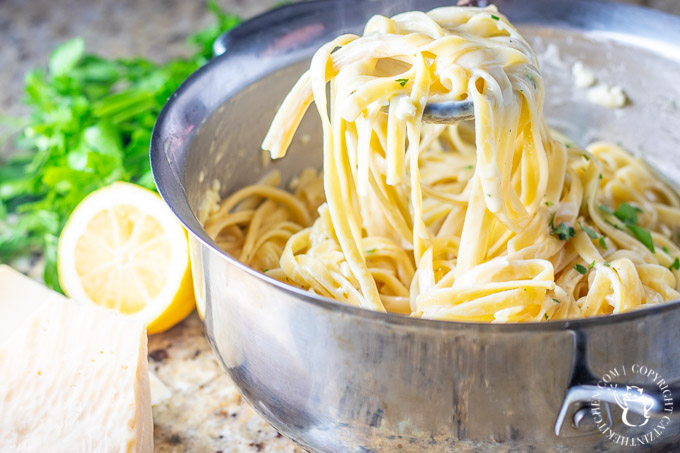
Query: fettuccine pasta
x=494, y=221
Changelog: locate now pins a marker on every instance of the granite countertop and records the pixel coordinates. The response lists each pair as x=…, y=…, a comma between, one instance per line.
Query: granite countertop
x=204, y=412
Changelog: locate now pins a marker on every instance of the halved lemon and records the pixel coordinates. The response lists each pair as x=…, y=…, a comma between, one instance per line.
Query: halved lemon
x=123, y=249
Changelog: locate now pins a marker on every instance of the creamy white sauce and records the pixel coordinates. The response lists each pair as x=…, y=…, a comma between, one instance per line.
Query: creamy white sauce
x=583, y=77
x=612, y=97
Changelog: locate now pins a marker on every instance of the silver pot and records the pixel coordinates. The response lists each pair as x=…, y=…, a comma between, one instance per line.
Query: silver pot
x=337, y=378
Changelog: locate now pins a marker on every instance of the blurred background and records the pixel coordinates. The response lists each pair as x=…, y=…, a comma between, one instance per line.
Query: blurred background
x=154, y=29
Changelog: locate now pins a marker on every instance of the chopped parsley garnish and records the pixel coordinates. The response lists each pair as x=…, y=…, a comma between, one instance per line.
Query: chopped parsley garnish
x=402, y=82
x=643, y=236
x=532, y=80
x=603, y=244
x=605, y=208
x=608, y=264
x=264, y=269
x=545, y=315
x=563, y=231
x=676, y=265
x=628, y=215
x=580, y=269
x=589, y=231
x=585, y=156
x=549, y=203
x=666, y=249
x=556, y=300
x=600, y=176
x=613, y=224
x=568, y=145
x=370, y=251
x=591, y=265
x=494, y=17
x=468, y=167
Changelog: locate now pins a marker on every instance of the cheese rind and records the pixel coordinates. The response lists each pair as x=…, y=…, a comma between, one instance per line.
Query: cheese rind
x=74, y=378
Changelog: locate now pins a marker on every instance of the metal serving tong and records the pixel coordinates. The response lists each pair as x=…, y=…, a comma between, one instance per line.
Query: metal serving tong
x=449, y=112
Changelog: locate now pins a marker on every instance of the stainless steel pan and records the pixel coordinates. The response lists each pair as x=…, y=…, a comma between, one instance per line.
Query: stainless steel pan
x=341, y=379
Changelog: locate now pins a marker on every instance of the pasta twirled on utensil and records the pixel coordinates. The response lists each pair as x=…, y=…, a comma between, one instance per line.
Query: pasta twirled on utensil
x=492, y=221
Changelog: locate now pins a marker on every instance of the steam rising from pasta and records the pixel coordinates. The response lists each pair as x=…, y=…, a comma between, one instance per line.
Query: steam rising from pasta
x=494, y=221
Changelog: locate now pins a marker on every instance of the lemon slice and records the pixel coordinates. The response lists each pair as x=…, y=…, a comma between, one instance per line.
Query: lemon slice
x=123, y=249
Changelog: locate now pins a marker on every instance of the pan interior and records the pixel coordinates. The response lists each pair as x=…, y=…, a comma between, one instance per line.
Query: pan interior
x=227, y=147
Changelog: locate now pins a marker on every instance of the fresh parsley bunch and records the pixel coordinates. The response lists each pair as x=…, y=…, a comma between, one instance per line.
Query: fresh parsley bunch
x=90, y=125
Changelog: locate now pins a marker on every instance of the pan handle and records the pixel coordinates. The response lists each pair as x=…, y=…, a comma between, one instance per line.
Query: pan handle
x=586, y=407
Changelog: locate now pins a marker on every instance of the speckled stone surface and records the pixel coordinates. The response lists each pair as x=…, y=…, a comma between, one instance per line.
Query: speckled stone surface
x=205, y=412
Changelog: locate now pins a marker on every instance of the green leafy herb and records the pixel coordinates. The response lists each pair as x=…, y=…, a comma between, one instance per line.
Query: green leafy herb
x=563, y=231
x=66, y=56
x=580, y=269
x=206, y=37
x=605, y=208
x=676, y=265
x=600, y=176
x=532, y=79
x=264, y=269
x=90, y=125
x=557, y=301
x=627, y=213
x=610, y=223
x=643, y=236
x=468, y=167
x=402, y=82
x=549, y=203
x=591, y=265
x=589, y=231
x=585, y=156
x=370, y=251
x=666, y=249
x=603, y=243
x=545, y=315
x=494, y=17
x=608, y=264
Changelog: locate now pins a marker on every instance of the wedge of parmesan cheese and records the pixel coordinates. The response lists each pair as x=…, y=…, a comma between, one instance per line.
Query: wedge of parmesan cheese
x=19, y=298
x=73, y=378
